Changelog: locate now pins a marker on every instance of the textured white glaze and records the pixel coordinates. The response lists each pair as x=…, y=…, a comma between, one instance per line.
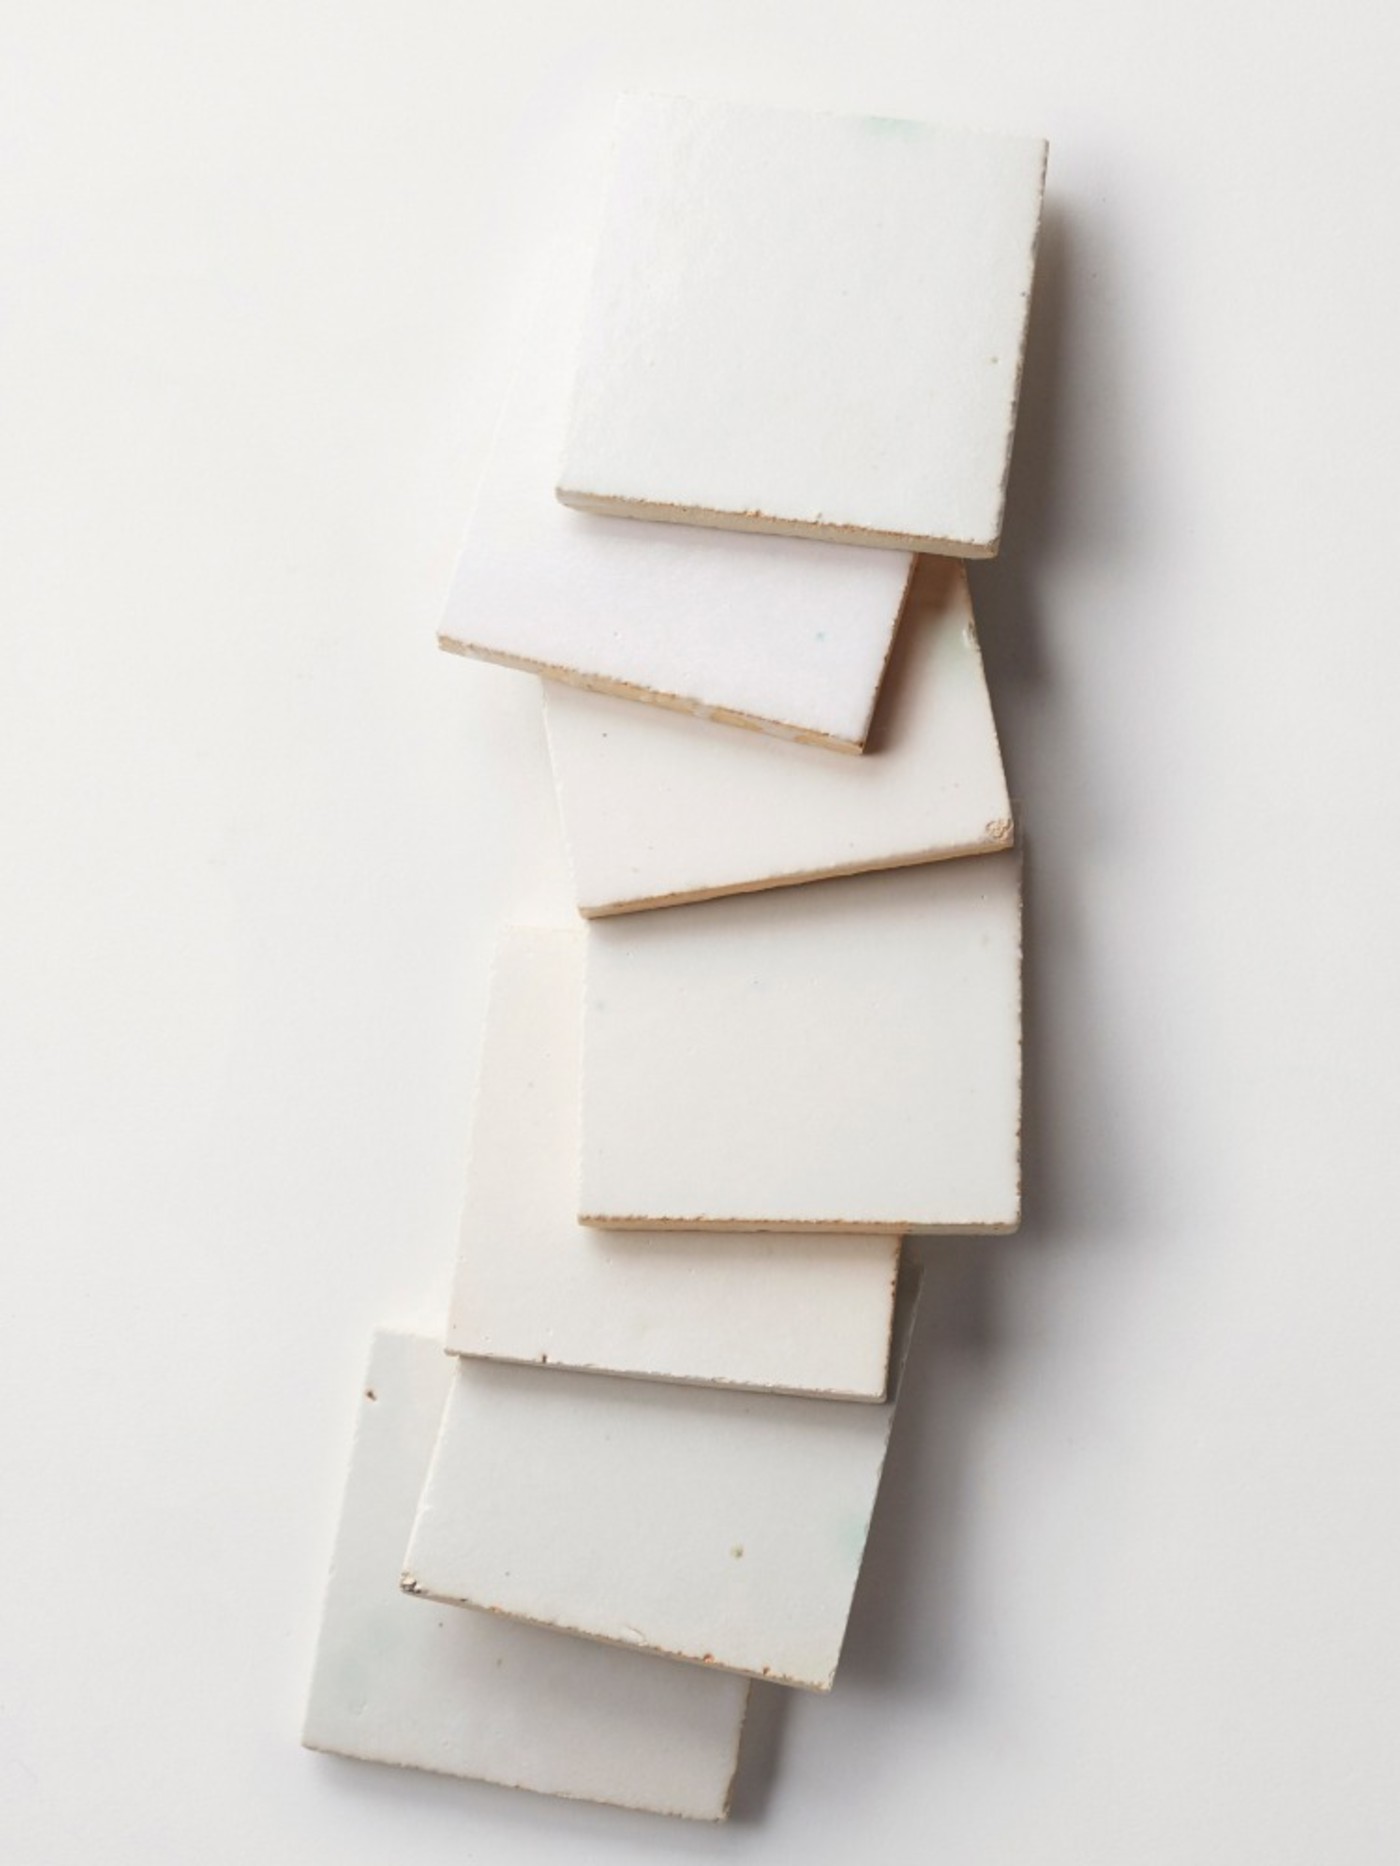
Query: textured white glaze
x=807, y=323
x=789, y=1314
x=657, y=808
x=429, y=1687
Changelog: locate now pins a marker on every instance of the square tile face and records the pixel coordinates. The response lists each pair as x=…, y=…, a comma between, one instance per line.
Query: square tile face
x=725, y=1528
x=843, y=1056
x=659, y=809
x=788, y=636
x=789, y=1314
x=806, y=323
x=401, y=1681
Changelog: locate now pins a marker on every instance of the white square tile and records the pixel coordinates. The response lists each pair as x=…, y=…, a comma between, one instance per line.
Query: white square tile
x=659, y=809
x=842, y=1056
x=788, y=1314
x=724, y=1528
x=399, y=1681
x=785, y=635
x=807, y=323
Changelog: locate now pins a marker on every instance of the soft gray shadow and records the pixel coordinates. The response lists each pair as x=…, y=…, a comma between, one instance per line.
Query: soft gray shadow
x=760, y=1754
x=910, y=1603
x=909, y=1610
x=1064, y=501
x=909, y=1578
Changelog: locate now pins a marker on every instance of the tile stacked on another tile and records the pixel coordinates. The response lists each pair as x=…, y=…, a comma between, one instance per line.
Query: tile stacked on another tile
x=808, y=324
x=839, y=1057
x=659, y=810
x=763, y=632
x=774, y=1313
x=666, y=1419
x=718, y=1527
x=476, y=1695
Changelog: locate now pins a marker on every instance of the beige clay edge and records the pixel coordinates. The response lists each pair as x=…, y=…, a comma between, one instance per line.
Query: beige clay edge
x=410, y=1585
x=851, y=534
x=999, y=836
x=835, y=1227
x=865, y=1397
x=612, y=505
x=844, y=1227
x=651, y=696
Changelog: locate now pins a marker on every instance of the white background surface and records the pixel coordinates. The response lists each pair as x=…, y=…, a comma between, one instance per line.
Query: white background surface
x=1132, y=1598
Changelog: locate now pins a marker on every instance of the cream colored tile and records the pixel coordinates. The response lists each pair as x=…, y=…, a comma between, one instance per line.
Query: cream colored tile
x=659, y=809
x=724, y=1528
x=789, y=1314
x=401, y=1681
x=785, y=635
x=841, y=1056
x=807, y=323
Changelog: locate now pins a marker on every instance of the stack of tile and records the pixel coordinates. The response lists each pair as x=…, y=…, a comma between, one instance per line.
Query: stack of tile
x=644, y=1472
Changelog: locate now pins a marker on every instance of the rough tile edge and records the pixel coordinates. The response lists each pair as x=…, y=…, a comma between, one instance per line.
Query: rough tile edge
x=424, y=1337
x=495, y=1357
x=672, y=702
x=864, y=1227
x=409, y=1585
x=612, y=505
x=906, y=1290
x=999, y=836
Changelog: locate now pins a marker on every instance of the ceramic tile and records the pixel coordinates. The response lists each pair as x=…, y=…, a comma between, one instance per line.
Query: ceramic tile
x=806, y=323
x=659, y=809
x=724, y=1528
x=841, y=1056
x=788, y=636
x=799, y=1314
x=402, y=1681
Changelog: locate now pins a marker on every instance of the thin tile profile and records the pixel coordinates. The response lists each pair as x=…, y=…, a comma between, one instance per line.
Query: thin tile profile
x=774, y=633
x=839, y=1057
x=398, y=1681
x=807, y=323
x=657, y=809
x=784, y=1314
x=723, y=1528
